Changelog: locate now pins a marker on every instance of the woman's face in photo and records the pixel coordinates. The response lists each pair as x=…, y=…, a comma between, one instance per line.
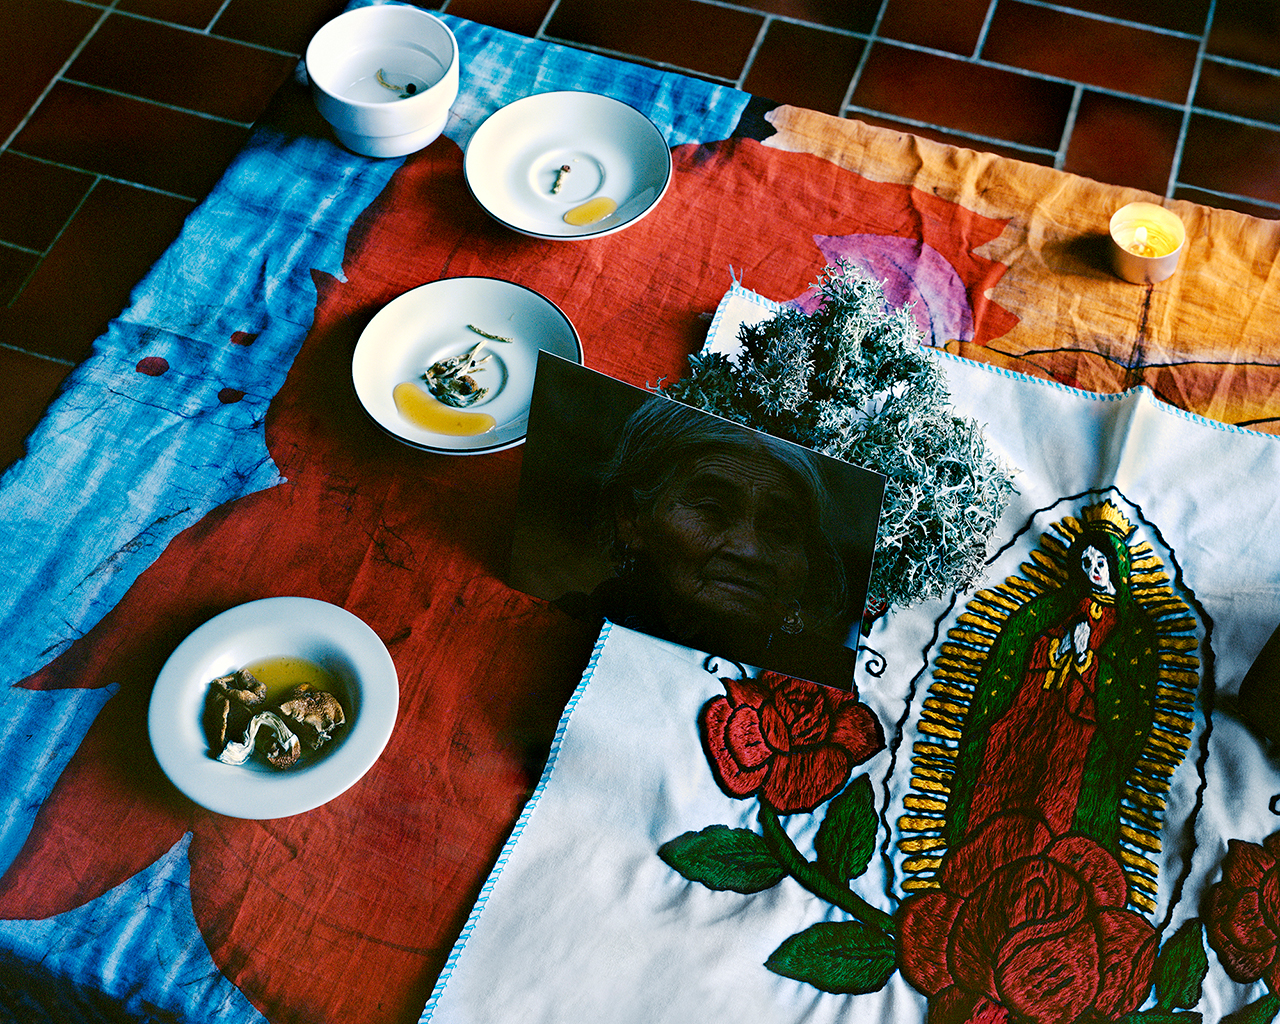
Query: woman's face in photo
x=726, y=542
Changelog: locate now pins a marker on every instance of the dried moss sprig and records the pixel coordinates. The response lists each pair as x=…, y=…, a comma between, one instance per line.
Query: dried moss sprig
x=852, y=380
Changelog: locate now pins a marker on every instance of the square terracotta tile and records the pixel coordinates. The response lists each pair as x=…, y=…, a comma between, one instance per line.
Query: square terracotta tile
x=708, y=39
x=955, y=94
x=1123, y=142
x=1189, y=16
x=195, y=13
x=87, y=276
x=831, y=60
x=523, y=17
x=129, y=139
x=183, y=68
x=281, y=24
x=1247, y=30
x=32, y=384
x=1090, y=51
x=16, y=266
x=1227, y=156
x=849, y=15
x=1043, y=158
x=951, y=25
x=41, y=36
x=1245, y=92
x=37, y=199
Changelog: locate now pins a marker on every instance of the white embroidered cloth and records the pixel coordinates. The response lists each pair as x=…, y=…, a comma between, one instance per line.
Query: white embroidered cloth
x=582, y=920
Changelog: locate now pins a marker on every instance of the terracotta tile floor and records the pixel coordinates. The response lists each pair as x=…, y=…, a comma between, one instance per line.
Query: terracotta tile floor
x=118, y=115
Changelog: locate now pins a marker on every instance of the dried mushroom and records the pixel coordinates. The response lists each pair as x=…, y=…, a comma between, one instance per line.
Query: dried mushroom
x=228, y=704
x=237, y=706
x=313, y=714
x=281, y=747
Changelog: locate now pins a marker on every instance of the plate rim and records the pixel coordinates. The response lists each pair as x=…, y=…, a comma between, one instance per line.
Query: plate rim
x=496, y=446
x=669, y=173
x=286, y=794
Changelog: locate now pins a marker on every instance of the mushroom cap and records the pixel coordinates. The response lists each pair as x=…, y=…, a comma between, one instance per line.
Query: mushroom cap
x=313, y=714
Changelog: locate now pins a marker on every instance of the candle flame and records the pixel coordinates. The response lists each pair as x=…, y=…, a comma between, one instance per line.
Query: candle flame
x=1140, y=246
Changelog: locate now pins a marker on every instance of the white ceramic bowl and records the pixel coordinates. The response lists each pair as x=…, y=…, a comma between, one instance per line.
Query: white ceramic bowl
x=319, y=632
x=613, y=152
x=429, y=323
x=409, y=49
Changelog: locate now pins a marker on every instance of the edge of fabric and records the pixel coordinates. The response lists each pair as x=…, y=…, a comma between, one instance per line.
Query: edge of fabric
x=521, y=823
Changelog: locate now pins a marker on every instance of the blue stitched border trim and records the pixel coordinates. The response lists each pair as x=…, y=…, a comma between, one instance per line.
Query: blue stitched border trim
x=1140, y=389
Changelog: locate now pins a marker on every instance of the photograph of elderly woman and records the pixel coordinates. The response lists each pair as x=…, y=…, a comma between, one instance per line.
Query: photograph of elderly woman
x=665, y=519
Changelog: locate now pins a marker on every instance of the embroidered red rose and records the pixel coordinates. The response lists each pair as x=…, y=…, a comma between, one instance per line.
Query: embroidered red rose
x=1027, y=928
x=789, y=741
x=1242, y=912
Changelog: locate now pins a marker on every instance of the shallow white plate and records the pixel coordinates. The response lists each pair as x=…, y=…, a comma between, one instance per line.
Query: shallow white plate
x=611, y=148
x=430, y=323
x=321, y=633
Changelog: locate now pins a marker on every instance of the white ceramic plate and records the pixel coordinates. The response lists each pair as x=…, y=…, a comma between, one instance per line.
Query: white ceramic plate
x=611, y=148
x=321, y=633
x=433, y=322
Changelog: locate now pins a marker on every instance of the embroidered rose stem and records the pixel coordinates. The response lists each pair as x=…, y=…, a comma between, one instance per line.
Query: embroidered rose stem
x=814, y=879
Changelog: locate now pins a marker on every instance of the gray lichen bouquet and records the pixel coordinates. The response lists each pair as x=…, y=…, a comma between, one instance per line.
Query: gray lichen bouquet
x=851, y=380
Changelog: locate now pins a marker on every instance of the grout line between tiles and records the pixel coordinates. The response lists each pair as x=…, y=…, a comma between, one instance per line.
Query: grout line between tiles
x=208, y=30
x=986, y=28
x=1109, y=19
x=57, y=76
x=546, y=20
x=156, y=103
x=62, y=231
x=1243, y=65
x=1234, y=196
x=846, y=102
x=1175, y=165
x=786, y=18
x=99, y=176
x=1038, y=76
x=37, y=355
x=14, y=246
x=1069, y=125
x=57, y=238
x=661, y=65
x=208, y=33
x=989, y=140
x=755, y=49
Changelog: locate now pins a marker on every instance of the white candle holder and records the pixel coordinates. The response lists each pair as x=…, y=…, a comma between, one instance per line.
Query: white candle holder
x=1146, y=241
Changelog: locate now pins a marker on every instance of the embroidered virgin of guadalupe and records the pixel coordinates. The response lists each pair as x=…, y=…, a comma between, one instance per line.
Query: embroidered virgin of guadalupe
x=1063, y=695
x=1061, y=707
x=1065, y=701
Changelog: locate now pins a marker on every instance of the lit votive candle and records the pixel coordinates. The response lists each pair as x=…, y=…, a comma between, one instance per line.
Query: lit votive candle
x=1146, y=241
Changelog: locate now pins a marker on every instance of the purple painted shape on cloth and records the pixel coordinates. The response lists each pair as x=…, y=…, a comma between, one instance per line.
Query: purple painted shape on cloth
x=912, y=272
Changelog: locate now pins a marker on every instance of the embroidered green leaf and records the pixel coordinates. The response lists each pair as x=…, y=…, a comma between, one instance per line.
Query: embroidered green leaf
x=847, y=837
x=720, y=857
x=1159, y=1015
x=847, y=958
x=1263, y=1011
x=1181, y=967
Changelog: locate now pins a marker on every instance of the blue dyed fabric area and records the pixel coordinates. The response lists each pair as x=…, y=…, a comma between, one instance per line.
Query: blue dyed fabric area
x=133, y=954
x=143, y=442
